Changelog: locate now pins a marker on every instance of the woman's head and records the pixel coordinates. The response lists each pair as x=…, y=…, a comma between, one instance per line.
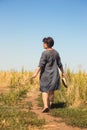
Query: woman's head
x=48, y=42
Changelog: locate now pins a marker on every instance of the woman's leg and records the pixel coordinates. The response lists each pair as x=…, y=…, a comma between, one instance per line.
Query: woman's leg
x=45, y=99
x=51, y=97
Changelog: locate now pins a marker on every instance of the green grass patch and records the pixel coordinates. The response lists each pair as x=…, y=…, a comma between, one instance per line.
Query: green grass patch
x=13, y=96
x=14, y=118
x=74, y=117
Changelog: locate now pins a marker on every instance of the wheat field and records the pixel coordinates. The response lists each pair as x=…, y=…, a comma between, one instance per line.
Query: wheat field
x=74, y=95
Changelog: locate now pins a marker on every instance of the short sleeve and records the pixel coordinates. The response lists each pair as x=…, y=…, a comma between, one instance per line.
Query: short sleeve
x=43, y=60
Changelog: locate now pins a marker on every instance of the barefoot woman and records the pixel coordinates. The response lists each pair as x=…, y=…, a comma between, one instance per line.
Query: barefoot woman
x=48, y=66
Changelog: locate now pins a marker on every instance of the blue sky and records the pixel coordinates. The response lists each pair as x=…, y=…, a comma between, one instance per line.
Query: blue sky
x=24, y=23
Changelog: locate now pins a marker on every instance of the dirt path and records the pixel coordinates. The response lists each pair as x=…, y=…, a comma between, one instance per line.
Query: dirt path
x=52, y=123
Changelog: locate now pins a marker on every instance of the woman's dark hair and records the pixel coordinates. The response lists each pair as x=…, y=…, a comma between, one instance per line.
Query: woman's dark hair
x=49, y=41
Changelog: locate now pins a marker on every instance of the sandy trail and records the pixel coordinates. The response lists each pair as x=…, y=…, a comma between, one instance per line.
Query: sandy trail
x=52, y=123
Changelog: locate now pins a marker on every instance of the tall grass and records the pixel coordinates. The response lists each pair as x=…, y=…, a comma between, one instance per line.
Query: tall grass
x=76, y=93
x=15, y=112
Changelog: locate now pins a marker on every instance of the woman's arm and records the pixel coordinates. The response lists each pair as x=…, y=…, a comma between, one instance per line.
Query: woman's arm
x=62, y=71
x=36, y=72
x=59, y=63
x=42, y=63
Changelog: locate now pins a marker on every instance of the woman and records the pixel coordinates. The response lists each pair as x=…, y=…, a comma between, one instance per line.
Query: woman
x=48, y=66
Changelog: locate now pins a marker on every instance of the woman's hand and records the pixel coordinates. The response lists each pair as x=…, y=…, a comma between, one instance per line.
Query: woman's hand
x=36, y=72
x=34, y=75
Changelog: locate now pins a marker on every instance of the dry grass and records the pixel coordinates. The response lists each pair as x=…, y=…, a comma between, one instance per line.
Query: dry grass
x=76, y=94
x=14, y=79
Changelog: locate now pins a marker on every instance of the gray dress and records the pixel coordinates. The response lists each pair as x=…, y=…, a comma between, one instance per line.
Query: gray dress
x=49, y=75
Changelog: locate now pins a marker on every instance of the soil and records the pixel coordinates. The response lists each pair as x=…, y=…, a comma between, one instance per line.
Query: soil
x=52, y=123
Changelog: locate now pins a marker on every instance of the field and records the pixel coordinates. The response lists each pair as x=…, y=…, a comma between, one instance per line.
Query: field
x=15, y=113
